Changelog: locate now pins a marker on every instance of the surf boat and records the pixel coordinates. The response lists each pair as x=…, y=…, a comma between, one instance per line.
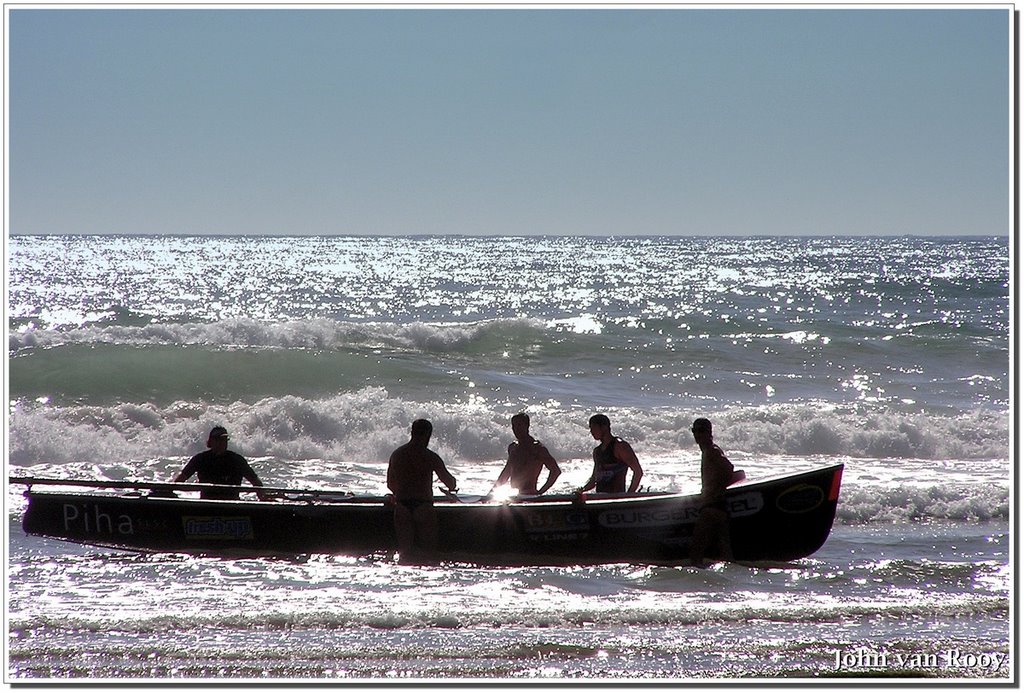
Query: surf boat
x=781, y=518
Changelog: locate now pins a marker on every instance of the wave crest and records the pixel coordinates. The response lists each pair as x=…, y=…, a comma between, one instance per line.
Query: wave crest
x=322, y=333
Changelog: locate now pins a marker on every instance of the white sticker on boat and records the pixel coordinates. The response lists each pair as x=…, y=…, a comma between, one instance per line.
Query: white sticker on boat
x=95, y=519
x=745, y=504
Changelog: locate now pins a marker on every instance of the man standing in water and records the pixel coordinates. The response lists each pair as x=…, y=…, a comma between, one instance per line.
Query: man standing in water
x=526, y=457
x=218, y=465
x=411, y=471
x=612, y=459
x=711, y=531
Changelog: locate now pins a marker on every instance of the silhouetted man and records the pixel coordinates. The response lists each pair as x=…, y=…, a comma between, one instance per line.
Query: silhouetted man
x=613, y=458
x=411, y=471
x=218, y=465
x=716, y=473
x=526, y=458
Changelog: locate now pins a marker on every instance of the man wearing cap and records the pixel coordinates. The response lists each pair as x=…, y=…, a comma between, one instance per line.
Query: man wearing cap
x=218, y=465
x=716, y=473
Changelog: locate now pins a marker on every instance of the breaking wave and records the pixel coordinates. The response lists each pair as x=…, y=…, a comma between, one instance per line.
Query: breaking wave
x=352, y=425
x=899, y=467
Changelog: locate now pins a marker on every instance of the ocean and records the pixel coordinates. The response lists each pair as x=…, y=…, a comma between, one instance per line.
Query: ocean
x=890, y=355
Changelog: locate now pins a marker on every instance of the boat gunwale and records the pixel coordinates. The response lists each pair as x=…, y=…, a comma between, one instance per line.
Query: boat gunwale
x=339, y=498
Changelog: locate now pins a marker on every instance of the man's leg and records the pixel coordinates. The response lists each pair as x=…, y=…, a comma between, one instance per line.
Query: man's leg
x=426, y=528
x=405, y=530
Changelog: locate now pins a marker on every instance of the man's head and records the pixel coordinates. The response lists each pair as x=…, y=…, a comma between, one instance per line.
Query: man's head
x=521, y=425
x=599, y=426
x=701, y=429
x=422, y=429
x=218, y=439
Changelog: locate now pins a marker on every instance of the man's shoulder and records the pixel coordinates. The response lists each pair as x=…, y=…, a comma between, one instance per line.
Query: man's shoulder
x=532, y=445
x=200, y=457
x=718, y=455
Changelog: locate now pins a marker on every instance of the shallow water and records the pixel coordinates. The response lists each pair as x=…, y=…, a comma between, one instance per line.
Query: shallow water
x=892, y=590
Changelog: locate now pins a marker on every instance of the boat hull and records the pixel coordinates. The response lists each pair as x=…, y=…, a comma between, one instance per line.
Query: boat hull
x=779, y=519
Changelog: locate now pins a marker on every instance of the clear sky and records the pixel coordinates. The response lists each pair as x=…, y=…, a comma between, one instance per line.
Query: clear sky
x=497, y=121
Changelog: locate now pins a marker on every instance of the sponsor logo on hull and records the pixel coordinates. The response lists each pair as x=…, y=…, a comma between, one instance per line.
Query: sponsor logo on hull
x=739, y=505
x=217, y=527
x=555, y=521
x=802, y=498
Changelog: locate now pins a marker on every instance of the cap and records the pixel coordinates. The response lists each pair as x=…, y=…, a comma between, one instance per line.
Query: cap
x=218, y=432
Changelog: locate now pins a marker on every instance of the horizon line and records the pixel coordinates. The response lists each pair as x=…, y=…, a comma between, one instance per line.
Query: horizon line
x=1006, y=235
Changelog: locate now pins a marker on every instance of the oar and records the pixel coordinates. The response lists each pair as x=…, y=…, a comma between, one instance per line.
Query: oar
x=173, y=486
x=450, y=494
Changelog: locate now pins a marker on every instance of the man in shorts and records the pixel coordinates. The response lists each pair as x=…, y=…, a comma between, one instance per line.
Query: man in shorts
x=411, y=471
x=711, y=532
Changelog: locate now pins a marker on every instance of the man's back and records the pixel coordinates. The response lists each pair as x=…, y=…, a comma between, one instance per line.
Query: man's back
x=715, y=473
x=411, y=471
x=228, y=468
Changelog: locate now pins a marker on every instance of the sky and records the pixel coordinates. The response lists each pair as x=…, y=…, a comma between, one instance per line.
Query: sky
x=668, y=121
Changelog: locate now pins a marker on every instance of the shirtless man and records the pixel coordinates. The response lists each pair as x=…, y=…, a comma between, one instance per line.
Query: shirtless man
x=526, y=457
x=716, y=473
x=613, y=458
x=411, y=471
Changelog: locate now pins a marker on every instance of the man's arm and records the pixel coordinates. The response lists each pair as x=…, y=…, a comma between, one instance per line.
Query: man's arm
x=248, y=473
x=592, y=481
x=391, y=472
x=553, y=471
x=187, y=472
x=506, y=472
x=624, y=453
x=443, y=474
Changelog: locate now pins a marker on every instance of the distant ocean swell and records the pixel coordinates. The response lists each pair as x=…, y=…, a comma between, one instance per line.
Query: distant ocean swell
x=583, y=358
x=665, y=333
x=316, y=333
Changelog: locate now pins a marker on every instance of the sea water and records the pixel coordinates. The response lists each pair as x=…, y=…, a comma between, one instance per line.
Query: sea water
x=890, y=355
